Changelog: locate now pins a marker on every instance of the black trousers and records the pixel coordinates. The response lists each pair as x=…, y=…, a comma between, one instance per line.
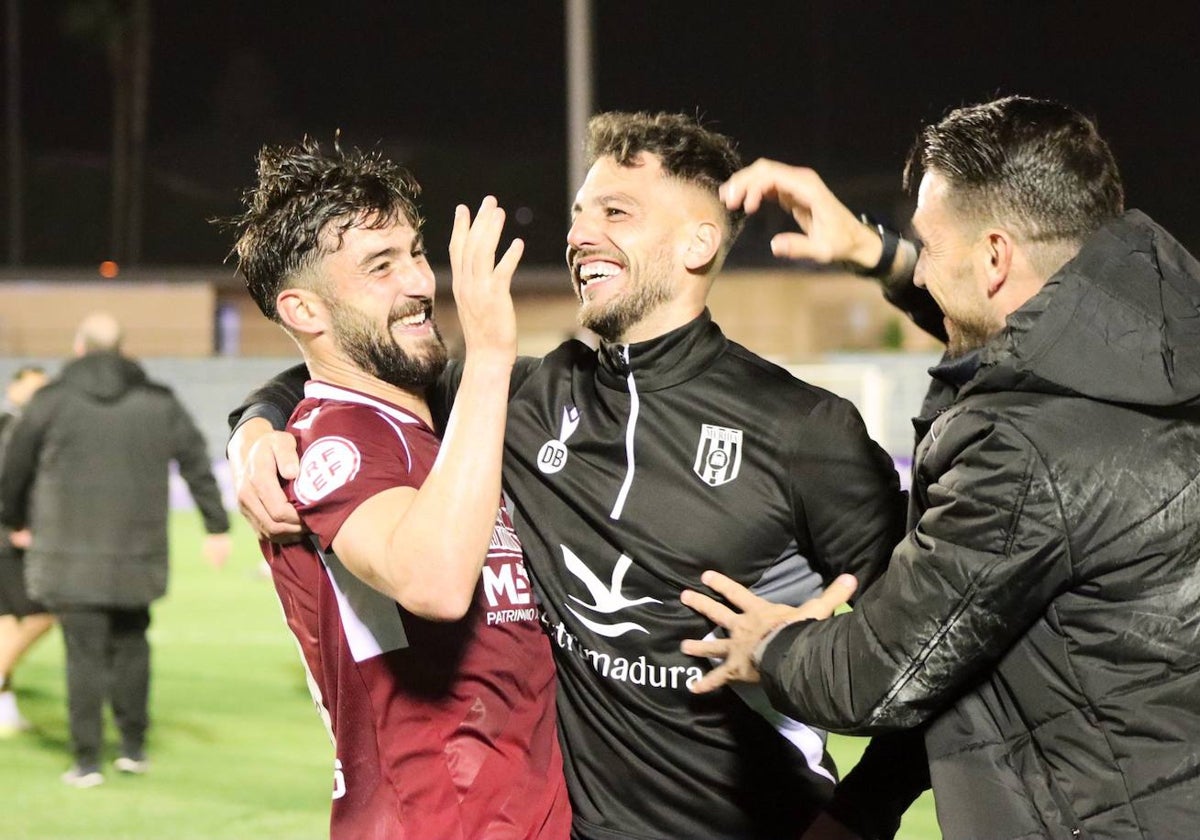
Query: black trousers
x=108, y=659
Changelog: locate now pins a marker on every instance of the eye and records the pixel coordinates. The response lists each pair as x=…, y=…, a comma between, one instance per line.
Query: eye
x=614, y=212
x=381, y=268
x=419, y=252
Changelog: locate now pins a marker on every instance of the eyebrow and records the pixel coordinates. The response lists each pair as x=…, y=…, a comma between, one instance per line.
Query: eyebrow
x=607, y=198
x=370, y=258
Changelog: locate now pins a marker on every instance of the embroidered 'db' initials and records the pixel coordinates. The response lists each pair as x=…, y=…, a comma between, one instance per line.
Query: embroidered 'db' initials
x=552, y=457
x=718, y=455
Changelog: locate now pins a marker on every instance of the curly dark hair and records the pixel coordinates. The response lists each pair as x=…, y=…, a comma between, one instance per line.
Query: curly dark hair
x=303, y=203
x=1037, y=165
x=687, y=149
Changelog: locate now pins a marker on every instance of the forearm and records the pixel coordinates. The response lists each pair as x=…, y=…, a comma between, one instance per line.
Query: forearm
x=436, y=551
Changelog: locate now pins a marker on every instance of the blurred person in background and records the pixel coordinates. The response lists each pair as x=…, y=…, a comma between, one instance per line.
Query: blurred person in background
x=86, y=473
x=1040, y=620
x=22, y=620
x=634, y=467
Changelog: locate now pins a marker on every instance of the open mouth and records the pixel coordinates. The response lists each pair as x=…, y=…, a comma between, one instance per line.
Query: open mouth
x=413, y=317
x=591, y=274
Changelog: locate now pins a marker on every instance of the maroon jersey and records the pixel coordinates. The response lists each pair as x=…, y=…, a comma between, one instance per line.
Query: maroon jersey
x=442, y=729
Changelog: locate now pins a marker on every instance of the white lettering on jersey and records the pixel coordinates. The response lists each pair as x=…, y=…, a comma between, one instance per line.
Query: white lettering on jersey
x=507, y=582
x=329, y=463
x=639, y=671
x=604, y=600
x=718, y=455
x=552, y=457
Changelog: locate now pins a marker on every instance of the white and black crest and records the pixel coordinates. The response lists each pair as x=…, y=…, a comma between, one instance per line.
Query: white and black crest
x=719, y=455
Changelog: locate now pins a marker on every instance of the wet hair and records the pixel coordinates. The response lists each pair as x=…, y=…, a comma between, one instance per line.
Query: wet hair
x=1035, y=165
x=688, y=150
x=304, y=201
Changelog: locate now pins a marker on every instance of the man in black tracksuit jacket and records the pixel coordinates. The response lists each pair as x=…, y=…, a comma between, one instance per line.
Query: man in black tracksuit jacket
x=1041, y=618
x=632, y=469
x=87, y=472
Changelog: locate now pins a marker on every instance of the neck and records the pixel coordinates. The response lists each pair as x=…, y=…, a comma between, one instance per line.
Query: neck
x=340, y=372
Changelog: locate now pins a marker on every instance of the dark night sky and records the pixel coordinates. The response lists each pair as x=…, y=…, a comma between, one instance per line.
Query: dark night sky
x=470, y=95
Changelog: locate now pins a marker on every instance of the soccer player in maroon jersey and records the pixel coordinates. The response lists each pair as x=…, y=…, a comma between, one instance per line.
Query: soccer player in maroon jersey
x=408, y=597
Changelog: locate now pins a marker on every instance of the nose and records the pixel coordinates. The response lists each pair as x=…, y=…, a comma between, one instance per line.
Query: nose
x=417, y=279
x=583, y=232
x=919, y=272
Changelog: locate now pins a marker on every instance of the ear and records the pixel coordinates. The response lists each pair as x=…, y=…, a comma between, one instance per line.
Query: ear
x=302, y=311
x=703, y=247
x=999, y=249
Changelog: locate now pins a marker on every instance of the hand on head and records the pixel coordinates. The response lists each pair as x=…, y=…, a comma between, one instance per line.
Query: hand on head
x=829, y=232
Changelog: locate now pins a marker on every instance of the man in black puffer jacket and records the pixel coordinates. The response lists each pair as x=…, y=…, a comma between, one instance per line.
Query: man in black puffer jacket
x=1042, y=618
x=87, y=474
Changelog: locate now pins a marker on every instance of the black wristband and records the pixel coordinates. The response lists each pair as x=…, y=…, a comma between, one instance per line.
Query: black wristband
x=891, y=242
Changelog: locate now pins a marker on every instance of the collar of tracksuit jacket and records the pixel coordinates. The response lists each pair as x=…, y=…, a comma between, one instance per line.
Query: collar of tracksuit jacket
x=664, y=361
x=653, y=365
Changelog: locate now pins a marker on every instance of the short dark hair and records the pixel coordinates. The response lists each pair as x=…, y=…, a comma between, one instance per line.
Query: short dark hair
x=1037, y=165
x=305, y=199
x=688, y=150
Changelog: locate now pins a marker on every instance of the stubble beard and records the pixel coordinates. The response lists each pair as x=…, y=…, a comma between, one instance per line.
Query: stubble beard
x=381, y=356
x=649, y=290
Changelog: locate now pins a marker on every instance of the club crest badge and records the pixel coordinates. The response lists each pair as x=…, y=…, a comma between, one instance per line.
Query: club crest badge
x=718, y=455
x=552, y=457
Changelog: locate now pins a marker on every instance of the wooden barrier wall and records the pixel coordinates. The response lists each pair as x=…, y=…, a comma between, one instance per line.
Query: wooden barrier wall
x=783, y=315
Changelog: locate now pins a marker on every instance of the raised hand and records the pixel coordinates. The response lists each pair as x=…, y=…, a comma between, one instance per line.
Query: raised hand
x=482, y=286
x=747, y=628
x=829, y=232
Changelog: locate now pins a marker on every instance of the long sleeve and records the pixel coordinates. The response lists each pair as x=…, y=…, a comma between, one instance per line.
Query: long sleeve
x=195, y=468
x=274, y=400
x=987, y=556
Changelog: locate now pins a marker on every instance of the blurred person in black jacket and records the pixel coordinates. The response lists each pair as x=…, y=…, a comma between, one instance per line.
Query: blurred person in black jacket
x=87, y=474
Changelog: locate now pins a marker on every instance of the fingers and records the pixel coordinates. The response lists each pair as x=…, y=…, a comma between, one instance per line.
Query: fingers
x=732, y=591
x=716, y=678
x=711, y=648
x=834, y=596
x=792, y=246
x=710, y=608
x=508, y=263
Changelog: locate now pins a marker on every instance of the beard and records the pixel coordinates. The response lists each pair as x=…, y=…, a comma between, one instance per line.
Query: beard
x=649, y=290
x=380, y=355
x=967, y=334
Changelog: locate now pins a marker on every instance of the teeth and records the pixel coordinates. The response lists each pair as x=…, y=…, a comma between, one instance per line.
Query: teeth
x=413, y=320
x=591, y=271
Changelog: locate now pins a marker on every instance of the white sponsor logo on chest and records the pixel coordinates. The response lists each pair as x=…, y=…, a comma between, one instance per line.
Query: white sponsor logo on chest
x=718, y=455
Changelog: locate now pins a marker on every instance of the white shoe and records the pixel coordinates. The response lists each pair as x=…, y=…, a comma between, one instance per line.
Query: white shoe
x=11, y=721
x=136, y=766
x=76, y=777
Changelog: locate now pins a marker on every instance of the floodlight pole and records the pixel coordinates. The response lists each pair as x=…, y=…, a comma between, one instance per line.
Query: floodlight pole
x=580, y=89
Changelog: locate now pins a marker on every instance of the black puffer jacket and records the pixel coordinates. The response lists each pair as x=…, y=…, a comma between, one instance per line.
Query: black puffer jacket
x=1043, y=614
x=87, y=470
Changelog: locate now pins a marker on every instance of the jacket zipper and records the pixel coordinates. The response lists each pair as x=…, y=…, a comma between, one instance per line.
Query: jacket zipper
x=631, y=464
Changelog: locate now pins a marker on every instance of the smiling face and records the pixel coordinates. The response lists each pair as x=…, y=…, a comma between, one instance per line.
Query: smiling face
x=628, y=249
x=378, y=289
x=948, y=266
